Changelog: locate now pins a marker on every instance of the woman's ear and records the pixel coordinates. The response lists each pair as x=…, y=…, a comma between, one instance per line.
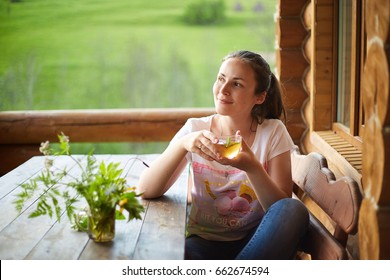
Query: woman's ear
x=261, y=98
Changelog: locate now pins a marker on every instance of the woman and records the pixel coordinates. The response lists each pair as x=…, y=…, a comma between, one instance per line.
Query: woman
x=241, y=207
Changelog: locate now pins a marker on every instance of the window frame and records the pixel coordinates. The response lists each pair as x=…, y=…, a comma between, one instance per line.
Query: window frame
x=354, y=133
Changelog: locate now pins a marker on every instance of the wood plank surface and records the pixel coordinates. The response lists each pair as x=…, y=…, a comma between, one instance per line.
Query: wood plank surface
x=159, y=235
x=9, y=182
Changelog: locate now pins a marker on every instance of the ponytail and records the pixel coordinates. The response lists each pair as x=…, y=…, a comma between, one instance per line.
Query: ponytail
x=272, y=107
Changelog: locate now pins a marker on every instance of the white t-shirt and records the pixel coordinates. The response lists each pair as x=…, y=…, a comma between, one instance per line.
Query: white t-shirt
x=224, y=204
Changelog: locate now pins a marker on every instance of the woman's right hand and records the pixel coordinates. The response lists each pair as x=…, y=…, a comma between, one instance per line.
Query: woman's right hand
x=201, y=143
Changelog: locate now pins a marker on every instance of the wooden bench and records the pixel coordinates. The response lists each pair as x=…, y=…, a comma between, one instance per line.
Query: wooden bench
x=338, y=199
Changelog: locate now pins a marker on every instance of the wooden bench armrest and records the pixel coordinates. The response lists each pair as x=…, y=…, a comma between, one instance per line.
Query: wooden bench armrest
x=339, y=199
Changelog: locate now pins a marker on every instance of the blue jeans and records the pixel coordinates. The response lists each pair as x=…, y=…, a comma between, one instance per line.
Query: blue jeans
x=276, y=238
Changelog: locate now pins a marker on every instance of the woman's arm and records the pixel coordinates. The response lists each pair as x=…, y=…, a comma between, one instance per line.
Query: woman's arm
x=272, y=185
x=164, y=171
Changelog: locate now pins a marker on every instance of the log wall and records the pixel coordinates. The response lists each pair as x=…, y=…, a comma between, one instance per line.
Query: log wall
x=291, y=63
x=319, y=79
x=374, y=223
x=316, y=101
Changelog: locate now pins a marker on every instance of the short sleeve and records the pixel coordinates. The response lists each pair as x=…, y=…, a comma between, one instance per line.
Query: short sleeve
x=281, y=141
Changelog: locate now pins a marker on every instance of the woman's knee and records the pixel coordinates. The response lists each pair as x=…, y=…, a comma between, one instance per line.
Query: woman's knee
x=295, y=208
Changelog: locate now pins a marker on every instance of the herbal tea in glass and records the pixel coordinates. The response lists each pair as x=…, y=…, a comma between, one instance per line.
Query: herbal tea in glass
x=229, y=146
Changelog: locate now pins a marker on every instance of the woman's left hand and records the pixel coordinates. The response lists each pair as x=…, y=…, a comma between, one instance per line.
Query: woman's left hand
x=244, y=160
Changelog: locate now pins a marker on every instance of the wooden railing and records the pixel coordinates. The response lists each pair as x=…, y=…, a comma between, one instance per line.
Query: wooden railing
x=21, y=132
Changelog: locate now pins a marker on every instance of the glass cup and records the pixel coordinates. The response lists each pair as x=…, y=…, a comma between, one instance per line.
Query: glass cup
x=229, y=146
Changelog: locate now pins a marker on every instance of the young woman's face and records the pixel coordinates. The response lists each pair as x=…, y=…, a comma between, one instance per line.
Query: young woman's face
x=234, y=89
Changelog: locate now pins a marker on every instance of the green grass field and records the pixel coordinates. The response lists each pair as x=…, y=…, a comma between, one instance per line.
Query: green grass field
x=75, y=54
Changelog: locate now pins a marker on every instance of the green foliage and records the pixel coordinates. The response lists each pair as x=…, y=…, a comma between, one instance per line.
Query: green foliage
x=101, y=186
x=118, y=54
x=205, y=12
x=98, y=54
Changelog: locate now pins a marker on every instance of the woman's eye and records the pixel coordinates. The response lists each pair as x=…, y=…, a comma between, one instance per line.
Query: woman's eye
x=237, y=84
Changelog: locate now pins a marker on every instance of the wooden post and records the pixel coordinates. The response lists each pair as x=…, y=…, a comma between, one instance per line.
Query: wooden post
x=374, y=223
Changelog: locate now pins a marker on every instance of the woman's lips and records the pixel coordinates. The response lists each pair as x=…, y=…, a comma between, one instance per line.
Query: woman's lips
x=225, y=101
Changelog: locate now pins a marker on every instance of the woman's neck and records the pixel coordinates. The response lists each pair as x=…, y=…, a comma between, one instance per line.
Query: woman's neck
x=224, y=125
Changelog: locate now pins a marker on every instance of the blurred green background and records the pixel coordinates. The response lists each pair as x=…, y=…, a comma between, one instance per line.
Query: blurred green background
x=81, y=54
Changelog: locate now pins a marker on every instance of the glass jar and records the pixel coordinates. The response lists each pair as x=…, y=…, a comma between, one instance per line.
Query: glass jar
x=101, y=225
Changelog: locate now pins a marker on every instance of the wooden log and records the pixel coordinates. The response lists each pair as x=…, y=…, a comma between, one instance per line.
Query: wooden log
x=375, y=101
x=308, y=16
x=374, y=223
x=373, y=160
x=308, y=48
x=376, y=83
x=293, y=32
x=377, y=20
x=286, y=8
x=119, y=125
x=294, y=94
x=296, y=130
x=290, y=60
x=14, y=155
x=22, y=132
x=369, y=243
x=307, y=79
x=291, y=64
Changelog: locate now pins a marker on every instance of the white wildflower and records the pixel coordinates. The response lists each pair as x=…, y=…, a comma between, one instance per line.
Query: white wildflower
x=44, y=148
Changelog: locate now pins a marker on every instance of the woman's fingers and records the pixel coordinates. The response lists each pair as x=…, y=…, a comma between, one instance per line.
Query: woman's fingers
x=204, y=152
x=205, y=145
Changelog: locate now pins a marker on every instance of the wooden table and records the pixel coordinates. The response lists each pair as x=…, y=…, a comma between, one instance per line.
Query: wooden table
x=159, y=235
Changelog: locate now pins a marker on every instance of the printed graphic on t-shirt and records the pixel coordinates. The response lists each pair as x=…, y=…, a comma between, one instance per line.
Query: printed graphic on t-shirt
x=223, y=200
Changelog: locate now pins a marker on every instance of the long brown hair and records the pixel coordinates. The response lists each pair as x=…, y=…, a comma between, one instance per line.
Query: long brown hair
x=272, y=107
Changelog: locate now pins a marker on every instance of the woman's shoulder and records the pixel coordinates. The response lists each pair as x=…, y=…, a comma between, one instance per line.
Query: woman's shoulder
x=273, y=124
x=274, y=133
x=273, y=129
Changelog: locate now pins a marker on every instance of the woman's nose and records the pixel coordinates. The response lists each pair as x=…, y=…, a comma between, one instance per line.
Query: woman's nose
x=225, y=89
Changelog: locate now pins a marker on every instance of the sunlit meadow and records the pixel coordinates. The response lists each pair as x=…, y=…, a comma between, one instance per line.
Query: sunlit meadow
x=81, y=54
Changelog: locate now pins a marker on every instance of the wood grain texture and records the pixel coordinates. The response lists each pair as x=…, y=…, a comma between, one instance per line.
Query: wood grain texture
x=339, y=199
x=159, y=235
x=21, y=132
x=114, y=125
x=374, y=223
